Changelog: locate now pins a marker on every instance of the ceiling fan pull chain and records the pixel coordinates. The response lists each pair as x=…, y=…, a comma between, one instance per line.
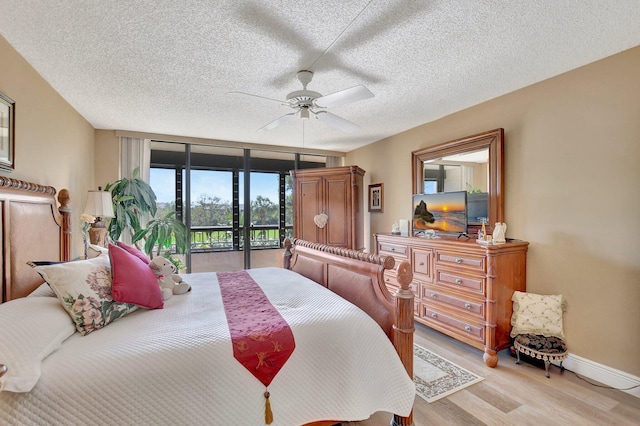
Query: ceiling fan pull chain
x=340, y=35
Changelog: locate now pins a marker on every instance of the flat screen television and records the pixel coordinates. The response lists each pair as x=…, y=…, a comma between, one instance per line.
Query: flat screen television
x=443, y=212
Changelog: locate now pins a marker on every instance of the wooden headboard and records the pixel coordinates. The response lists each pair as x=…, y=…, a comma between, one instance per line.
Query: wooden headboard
x=33, y=227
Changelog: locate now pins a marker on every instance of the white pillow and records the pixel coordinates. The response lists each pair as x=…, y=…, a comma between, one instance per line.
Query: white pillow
x=537, y=314
x=31, y=328
x=43, y=291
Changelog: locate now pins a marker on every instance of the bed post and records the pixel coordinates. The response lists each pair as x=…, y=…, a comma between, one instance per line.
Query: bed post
x=65, y=212
x=403, y=328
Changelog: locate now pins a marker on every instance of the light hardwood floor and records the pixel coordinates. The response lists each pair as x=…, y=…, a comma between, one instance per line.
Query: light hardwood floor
x=515, y=394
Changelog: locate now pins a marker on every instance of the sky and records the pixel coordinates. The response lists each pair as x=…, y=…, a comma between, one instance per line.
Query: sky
x=212, y=184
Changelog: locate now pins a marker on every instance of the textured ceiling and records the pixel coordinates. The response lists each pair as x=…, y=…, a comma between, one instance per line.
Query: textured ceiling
x=168, y=67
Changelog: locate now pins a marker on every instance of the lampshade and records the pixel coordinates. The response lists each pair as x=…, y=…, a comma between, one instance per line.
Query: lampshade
x=99, y=204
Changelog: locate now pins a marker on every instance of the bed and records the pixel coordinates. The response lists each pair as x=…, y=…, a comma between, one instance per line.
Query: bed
x=176, y=365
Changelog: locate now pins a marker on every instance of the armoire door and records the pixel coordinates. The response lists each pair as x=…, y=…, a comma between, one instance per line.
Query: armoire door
x=309, y=189
x=338, y=208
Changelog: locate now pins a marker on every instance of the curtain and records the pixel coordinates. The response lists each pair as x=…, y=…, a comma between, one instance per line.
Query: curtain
x=334, y=161
x=135, y=153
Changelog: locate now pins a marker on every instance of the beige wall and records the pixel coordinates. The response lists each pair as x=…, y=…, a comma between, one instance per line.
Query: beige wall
x=54, y=144
x=572, y=153
x=107, y=157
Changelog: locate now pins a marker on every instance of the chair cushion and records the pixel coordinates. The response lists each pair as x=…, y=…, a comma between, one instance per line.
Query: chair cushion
x=541, y=347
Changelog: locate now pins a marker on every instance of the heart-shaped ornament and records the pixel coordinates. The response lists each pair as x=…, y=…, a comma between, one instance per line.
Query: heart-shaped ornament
x=321, y=220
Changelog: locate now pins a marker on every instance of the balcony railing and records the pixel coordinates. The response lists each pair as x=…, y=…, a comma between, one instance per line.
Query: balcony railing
x=220, y=238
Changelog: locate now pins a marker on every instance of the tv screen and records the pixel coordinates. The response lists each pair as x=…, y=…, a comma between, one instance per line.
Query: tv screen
x=443, y=212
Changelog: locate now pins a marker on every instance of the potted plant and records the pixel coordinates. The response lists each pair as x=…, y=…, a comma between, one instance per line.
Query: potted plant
x=161, y=233
x=134, y=207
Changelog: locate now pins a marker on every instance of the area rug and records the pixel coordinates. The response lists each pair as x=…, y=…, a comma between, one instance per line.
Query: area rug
x=435, y=377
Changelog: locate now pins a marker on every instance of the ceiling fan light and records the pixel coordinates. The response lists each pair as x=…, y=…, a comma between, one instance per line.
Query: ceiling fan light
x=304, y=113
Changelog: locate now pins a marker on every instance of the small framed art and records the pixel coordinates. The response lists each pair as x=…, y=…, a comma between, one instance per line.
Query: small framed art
x=7, y=123
x=376, y=198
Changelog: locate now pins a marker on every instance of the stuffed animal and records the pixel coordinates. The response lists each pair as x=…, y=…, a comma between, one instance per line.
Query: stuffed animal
x=170, y=283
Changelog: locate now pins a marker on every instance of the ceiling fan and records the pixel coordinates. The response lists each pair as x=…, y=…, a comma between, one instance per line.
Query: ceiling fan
x=307, y=103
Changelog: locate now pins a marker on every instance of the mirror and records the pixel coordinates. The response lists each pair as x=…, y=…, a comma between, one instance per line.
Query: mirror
x=474, y=164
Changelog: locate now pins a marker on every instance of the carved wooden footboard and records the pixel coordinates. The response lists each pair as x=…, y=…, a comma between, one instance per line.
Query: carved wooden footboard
x=359, y=278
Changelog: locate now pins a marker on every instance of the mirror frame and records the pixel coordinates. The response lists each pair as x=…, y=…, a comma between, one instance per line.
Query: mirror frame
x=493, y=140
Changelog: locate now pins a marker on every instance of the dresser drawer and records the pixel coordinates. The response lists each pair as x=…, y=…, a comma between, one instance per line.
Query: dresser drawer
x=462, y=282
x=474, y=308
x=393, y=249
x=468, y=329
x=477, y=263
x=421, y=261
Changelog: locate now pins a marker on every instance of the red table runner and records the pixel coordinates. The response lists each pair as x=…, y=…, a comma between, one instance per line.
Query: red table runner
x=262, y=340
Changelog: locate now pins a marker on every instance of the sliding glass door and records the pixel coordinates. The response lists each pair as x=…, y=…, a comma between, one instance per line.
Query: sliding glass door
x=239, y=202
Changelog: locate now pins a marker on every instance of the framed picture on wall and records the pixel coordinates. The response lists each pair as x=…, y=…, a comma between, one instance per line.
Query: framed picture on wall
x=7, y=124
x=376, y=198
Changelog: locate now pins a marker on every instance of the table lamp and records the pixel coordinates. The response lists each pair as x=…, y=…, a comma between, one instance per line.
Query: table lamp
x=99, y=204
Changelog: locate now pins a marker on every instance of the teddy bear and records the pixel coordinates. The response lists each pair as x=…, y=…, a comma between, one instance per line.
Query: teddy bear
x=170, y=283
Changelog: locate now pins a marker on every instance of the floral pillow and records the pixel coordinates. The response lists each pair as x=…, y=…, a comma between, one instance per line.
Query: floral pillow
x=94, y=250
x=537, y=314
x=84, y=288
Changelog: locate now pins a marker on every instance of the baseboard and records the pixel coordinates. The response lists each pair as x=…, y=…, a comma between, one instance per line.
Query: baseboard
x=603, y=374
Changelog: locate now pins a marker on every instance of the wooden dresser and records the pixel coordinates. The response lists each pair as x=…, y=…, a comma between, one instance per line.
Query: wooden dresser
x=336, y=192
x=462, y=288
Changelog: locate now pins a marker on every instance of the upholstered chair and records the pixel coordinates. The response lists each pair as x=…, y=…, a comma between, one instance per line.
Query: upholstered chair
x=537, y=327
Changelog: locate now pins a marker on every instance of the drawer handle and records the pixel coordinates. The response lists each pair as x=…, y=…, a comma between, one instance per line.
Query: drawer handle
x=421, y=263
x=434, y=296
x=387, y=279
x=467, y=329
x=467, y=305
x=458, y=260
x=434, y=315
x=458, y=280
x=393, y=249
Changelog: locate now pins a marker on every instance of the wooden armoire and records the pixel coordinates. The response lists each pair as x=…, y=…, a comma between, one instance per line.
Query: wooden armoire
x=327, y=206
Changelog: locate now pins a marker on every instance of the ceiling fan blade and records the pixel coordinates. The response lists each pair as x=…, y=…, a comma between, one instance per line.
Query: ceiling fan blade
x=279, y=121
x=343, y=97
x=336, y=122
x=261, y=97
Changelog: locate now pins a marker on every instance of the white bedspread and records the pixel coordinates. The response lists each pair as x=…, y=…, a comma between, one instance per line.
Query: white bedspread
x=176, y=366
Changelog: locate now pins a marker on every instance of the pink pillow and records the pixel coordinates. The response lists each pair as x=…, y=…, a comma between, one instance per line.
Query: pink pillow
x=134, y=251
x=133, y=280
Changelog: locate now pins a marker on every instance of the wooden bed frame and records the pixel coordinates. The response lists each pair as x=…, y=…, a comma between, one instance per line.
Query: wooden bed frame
x=359, y=278
x=33, y=228
x=36, y=226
